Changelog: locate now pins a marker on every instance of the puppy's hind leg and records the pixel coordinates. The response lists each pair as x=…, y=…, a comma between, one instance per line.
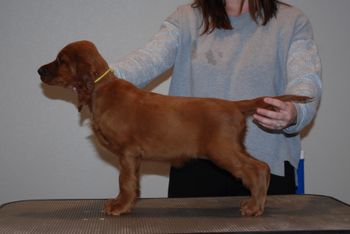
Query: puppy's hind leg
x=128, y=186
x=254, y=174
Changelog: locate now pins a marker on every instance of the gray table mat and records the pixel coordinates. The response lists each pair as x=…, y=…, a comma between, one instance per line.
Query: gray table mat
x=289, y=213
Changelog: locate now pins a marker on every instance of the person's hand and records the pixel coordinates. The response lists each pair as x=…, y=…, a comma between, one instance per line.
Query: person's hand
x=283, y=115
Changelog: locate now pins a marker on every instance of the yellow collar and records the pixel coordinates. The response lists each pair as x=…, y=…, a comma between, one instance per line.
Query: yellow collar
x=104, y=75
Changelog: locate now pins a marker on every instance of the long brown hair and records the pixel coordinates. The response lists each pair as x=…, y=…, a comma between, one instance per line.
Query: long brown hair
x=215, y=16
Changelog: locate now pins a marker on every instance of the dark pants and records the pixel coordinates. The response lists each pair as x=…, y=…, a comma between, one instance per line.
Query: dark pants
x=202, y=178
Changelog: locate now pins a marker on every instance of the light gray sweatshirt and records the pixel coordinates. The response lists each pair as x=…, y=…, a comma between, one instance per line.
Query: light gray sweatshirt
x=249, y=61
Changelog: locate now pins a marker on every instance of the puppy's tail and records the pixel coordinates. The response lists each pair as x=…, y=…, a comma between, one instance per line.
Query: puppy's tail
x=248, y=107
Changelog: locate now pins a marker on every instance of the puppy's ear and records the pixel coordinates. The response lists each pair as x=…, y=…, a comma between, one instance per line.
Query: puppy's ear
x=89, y=82
x=84, y=70
x=84, y=84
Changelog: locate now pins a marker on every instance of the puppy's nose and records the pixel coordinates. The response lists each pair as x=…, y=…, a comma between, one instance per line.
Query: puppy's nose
x=42, y=71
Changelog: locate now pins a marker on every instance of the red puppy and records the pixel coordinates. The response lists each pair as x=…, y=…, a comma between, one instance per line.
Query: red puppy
x=139, y=125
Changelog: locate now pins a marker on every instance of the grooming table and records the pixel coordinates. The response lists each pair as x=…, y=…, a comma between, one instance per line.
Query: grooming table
x=285, y=214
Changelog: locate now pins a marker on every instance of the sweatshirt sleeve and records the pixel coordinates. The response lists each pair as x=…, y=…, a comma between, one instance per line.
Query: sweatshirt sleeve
x=158, y=55
x=304, y=74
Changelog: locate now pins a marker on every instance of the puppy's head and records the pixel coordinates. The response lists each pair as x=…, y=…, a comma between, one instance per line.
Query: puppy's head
x=76, y=66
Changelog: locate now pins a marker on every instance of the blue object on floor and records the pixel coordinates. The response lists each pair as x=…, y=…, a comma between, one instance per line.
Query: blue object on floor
x=300, y=175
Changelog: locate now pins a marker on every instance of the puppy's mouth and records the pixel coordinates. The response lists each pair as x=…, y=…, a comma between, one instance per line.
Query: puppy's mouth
x=60, y=83
x=56, y=82
x=46, y=80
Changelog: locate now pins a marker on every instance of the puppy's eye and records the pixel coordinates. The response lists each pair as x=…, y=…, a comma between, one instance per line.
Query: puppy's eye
x=61, y=61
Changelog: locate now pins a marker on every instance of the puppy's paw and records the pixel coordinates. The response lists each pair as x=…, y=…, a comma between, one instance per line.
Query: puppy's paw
x=250, y=207
x=115, y=207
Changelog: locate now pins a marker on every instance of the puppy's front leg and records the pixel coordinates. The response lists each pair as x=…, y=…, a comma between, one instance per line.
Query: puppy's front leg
x=128, y=186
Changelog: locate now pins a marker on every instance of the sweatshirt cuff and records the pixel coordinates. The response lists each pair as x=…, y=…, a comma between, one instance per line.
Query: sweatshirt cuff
x=296, y=127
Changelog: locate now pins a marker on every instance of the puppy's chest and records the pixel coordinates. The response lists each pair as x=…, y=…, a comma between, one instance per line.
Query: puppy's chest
x=102, y=138
x=107, y=138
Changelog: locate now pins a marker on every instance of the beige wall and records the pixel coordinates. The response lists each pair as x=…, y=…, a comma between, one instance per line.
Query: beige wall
x=45, y=144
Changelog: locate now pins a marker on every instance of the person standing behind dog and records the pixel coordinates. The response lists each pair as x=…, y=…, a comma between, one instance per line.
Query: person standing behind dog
x=237, y=49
